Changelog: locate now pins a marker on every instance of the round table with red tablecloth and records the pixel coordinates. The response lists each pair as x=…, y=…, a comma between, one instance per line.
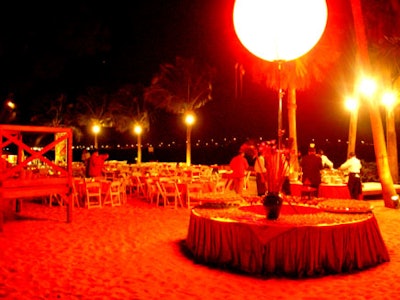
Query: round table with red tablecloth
x=304, y=241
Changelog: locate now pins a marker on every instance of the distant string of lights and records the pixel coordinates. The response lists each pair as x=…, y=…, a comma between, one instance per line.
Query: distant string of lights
x=224, y=142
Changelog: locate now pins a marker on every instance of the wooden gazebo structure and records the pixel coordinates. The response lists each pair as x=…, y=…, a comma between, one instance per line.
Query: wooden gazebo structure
x=35, y=172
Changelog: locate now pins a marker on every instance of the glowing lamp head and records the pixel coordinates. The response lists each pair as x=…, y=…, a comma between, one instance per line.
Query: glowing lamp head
x=96, y=129
x=367, y=86
x=189, y=119
x=389, y=99
x=351, y=104
x=279, y=30
x=137, y=129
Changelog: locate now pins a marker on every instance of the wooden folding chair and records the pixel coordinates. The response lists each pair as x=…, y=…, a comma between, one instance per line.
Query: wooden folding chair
x=76, y=196
x=122, y=189
x=152, y=191
x=169, y=190
x=55, y=198
x=93, y=194
x=193, y=190
x=220, y=186
x=115, y=193
x=136, y=186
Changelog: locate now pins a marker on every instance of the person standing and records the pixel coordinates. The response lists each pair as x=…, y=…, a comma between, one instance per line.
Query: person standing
x=239, y=166
x=96, y=164
x=311, y=165
x=260, y=170
x=326, y=162
x=353, y=166
x=85, y=157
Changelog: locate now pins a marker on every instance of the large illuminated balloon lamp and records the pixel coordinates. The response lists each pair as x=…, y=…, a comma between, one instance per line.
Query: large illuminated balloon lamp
x=279, y=30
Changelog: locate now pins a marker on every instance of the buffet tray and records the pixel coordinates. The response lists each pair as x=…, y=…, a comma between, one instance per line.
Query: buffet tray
x=345, y=206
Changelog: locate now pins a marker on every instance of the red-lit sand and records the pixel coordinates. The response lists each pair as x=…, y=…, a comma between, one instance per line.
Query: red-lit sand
x=134, y=252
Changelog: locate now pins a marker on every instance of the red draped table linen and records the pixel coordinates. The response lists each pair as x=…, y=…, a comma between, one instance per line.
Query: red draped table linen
x=243, y=239
x=337, y=191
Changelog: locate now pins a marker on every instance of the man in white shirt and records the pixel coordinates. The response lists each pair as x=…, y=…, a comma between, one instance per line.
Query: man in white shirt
x=260, y=170
x=353, y=166
x=326, y=162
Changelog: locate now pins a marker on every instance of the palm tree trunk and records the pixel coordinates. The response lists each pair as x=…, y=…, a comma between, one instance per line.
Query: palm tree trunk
x=390, y=118
x=391, y=140
x=292, y=108
x=382, y=163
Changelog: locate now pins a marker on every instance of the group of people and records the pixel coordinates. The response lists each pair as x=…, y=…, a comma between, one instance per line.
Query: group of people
x=240, y=165
x=311, y=165
x=94, y=162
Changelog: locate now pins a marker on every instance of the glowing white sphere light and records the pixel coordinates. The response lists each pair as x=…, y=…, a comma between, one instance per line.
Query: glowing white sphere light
x=279, y=30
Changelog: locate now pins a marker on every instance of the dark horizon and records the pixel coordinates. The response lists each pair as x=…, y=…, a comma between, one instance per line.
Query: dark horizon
x=214, y=151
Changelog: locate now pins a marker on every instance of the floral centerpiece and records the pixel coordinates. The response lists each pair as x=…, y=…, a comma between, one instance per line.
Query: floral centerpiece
x=277, y=165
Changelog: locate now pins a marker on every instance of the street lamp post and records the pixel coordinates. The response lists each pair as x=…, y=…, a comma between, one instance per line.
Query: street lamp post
x=352, y=106
x=96, y=130
x=276, y=31
x=138, y=130
x=189, y=120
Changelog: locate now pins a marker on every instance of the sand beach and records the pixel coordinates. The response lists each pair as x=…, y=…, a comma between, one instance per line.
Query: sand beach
x=136, y=251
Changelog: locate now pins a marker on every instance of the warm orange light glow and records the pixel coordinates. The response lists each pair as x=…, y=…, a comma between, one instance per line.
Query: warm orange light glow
x=351, y=104
x=389, y=99
x=276, y=30
x=10, y=104
x=189, y=119
x=367, y=86
x=137, y=129
x=96, y=129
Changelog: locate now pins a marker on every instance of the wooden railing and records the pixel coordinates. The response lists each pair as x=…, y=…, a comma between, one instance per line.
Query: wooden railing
x=34, y=173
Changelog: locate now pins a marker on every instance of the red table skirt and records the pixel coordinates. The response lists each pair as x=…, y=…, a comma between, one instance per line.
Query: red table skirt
x=334, y=191
x=274, y=248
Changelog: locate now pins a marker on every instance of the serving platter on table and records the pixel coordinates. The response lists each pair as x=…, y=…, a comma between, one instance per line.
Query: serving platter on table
x=218, y=200
x=345, y=206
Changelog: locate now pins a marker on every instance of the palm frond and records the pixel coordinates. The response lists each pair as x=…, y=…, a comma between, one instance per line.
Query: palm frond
x=185, y=86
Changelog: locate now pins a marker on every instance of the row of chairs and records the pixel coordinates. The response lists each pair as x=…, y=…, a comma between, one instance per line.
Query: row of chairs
x=157, y=191
x=95, y=198
x=90, y=194
x=94, y=194
x=166, y=192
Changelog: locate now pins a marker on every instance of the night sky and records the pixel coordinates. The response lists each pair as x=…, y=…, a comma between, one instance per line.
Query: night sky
x=66, y=47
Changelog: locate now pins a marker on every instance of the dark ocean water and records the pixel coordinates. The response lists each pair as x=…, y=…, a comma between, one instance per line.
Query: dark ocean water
x=222, y=154
x=207, y=156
